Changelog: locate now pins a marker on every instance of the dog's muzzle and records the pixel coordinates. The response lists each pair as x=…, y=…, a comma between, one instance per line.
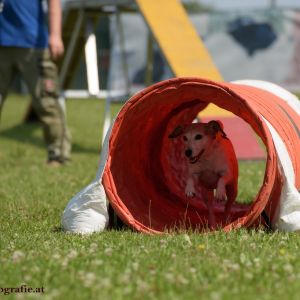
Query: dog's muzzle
x=194, y=159
x=188, y=153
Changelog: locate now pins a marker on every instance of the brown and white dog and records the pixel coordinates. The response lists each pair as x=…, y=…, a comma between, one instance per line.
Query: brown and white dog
x=212, y=163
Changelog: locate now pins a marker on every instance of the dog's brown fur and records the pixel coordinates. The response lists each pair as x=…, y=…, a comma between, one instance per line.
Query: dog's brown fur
x=212, y=163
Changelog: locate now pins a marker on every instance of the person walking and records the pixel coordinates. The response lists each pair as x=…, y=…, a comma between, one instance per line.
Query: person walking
x=28, y=47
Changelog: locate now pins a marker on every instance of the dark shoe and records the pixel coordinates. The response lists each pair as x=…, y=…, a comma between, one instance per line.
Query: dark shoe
x=54, y=163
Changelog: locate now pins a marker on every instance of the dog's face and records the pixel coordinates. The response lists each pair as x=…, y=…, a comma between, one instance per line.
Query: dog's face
x=196, y=137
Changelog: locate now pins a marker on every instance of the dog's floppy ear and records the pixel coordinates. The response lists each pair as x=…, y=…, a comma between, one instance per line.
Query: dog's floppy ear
x=176, y=132
x=213, y=127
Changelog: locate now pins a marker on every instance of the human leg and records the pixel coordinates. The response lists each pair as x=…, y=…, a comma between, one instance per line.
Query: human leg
x=40, y=74
x=6, y=71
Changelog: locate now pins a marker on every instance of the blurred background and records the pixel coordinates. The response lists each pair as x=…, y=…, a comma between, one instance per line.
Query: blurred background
x=258, y=39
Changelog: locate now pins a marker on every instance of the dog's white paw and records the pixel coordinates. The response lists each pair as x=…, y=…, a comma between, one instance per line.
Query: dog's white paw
x=220, y=193
x=190, y=192
x=190, y=188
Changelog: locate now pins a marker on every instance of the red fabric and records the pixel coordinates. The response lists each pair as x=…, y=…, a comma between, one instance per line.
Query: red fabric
x=142, y=178
x=281, y=116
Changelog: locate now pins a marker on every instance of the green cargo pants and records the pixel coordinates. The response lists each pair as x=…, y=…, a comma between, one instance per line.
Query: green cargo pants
x=40, y=76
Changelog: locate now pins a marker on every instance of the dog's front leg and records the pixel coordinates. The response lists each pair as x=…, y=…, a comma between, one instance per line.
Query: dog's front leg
x=231, y=191
x=190, y=190
x=226, y=190
x=221, y=186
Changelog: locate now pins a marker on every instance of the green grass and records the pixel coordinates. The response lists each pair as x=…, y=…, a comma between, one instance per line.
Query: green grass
x=244, y=264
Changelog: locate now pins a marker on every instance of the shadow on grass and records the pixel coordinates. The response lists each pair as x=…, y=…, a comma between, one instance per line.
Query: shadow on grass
x=76, y=148
x=25, y=133
x=57, y=229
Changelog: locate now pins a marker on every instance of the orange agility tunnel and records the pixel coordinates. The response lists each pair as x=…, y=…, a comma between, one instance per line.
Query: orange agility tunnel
x=144, y=179
x=142, y=172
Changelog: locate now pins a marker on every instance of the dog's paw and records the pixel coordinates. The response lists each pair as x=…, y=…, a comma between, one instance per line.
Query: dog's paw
x=190, y=194
x=220, y=193
x=190, y=189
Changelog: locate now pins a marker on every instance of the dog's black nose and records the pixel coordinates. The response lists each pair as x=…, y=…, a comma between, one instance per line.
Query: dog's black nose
x=188, y=152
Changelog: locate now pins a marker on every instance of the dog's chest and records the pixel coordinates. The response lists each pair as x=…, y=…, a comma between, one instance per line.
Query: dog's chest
x=208, y=178
x=207, y=172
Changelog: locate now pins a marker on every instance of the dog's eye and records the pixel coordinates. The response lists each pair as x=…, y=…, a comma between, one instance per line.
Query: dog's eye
x=185, y=138
x=198, y=137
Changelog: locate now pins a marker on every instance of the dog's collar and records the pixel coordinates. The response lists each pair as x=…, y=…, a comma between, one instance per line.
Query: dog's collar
x=194, y=159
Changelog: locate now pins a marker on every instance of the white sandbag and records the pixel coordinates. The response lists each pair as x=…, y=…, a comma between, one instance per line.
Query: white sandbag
x=86, y=212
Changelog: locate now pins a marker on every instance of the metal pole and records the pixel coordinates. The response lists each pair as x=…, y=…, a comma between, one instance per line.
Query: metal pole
x=149, y=65
x=91, y=60
x=121, y=36
x=107, y=109
x=71, y=48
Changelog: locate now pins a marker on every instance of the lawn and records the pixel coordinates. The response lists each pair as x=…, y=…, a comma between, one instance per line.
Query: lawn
x=244, y=264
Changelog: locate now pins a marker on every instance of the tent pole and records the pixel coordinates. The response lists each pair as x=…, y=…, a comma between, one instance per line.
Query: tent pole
x=123, y=50
x=149, y=65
